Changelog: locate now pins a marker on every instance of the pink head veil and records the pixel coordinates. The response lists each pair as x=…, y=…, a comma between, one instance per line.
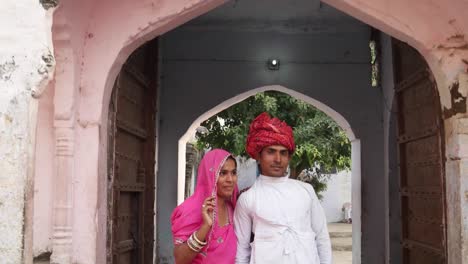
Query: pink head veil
x=187, y=218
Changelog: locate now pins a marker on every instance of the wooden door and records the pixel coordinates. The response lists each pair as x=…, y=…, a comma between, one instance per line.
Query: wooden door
x=131, y=160
x=421, y=159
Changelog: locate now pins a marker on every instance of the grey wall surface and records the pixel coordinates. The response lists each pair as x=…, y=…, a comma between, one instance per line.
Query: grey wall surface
x=390, y=150
x=204, y=68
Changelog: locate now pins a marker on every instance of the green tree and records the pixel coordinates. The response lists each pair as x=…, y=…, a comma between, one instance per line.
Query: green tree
x=321, y=145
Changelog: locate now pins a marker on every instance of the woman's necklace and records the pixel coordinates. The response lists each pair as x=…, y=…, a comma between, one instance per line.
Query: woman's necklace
x=227, y=215
x=220, y=238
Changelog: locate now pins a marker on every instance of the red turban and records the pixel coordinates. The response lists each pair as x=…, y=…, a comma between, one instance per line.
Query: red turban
x=265, y=131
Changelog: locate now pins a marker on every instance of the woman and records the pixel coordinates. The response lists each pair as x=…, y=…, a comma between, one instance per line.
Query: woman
x=202, y=226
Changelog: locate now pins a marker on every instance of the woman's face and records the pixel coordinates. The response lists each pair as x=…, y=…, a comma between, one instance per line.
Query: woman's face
x=227, y=179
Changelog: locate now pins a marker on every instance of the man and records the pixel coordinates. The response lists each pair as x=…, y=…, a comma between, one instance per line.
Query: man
x=283, y=216
x=347, y=209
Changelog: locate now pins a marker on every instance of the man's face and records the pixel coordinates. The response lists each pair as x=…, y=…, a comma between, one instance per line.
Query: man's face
x=274, y=160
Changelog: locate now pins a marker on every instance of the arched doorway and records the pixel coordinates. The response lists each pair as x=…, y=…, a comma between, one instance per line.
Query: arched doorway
x=333, y=114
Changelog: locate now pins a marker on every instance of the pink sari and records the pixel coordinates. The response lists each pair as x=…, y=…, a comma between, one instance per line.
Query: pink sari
x=186, y=218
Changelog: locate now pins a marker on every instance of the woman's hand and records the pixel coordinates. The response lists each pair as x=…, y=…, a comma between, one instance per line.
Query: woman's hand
x=182, y=253
x=207, y=211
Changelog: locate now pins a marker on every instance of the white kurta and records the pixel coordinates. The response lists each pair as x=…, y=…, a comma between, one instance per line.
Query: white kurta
x=288, y=222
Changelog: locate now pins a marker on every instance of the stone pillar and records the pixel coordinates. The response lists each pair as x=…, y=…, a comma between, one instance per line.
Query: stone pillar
x=64, y=125
x=63, y=194
x=456, y=128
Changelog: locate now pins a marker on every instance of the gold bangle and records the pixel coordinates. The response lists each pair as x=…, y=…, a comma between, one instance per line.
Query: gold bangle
x=197, y=240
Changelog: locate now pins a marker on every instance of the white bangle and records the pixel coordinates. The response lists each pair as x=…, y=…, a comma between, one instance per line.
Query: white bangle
x=197, y=240
x=192, y=245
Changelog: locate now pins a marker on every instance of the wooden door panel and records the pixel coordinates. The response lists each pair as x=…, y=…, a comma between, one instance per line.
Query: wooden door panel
x=421, y=159
x=418, y=255
x=418, y=152
x=131, y=160
x=418, y=210
x=128, y=144
x=424, y=230
x=425, y=175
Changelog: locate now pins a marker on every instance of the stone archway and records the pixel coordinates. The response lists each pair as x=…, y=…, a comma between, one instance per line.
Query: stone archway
x=337, y=117
x=91, y=70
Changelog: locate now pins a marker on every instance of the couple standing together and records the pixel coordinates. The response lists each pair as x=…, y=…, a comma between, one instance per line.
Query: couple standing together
x=277, y=220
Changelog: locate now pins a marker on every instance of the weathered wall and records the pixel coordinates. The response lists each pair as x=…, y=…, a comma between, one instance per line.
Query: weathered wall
x=456, y=170
x=25, y=65
x=332, y=67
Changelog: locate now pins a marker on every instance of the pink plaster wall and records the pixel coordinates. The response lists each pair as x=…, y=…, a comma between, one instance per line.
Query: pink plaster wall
x=86, y=197
x=137, y=22
x=55, y=105
x=79, y=13
x=44, y=171
x=103, y=34
x=105, y=51
x=99, y=53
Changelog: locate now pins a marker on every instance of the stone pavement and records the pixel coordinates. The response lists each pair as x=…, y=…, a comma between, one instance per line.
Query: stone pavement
x=341, y=237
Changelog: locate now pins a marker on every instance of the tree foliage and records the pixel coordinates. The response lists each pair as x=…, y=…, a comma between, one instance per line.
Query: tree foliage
x=321, y=145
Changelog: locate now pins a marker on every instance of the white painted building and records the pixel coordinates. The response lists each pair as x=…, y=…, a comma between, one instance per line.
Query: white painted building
x=338, y=192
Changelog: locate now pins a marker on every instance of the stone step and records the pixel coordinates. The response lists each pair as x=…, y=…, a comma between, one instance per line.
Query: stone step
x=342, y=243
x=342, y=257
x=341, y=234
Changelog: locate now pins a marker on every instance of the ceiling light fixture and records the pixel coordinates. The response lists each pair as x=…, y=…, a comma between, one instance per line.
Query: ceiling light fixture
x=273, y=64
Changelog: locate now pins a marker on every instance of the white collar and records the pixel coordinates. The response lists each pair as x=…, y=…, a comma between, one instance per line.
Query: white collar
x=273, y=179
